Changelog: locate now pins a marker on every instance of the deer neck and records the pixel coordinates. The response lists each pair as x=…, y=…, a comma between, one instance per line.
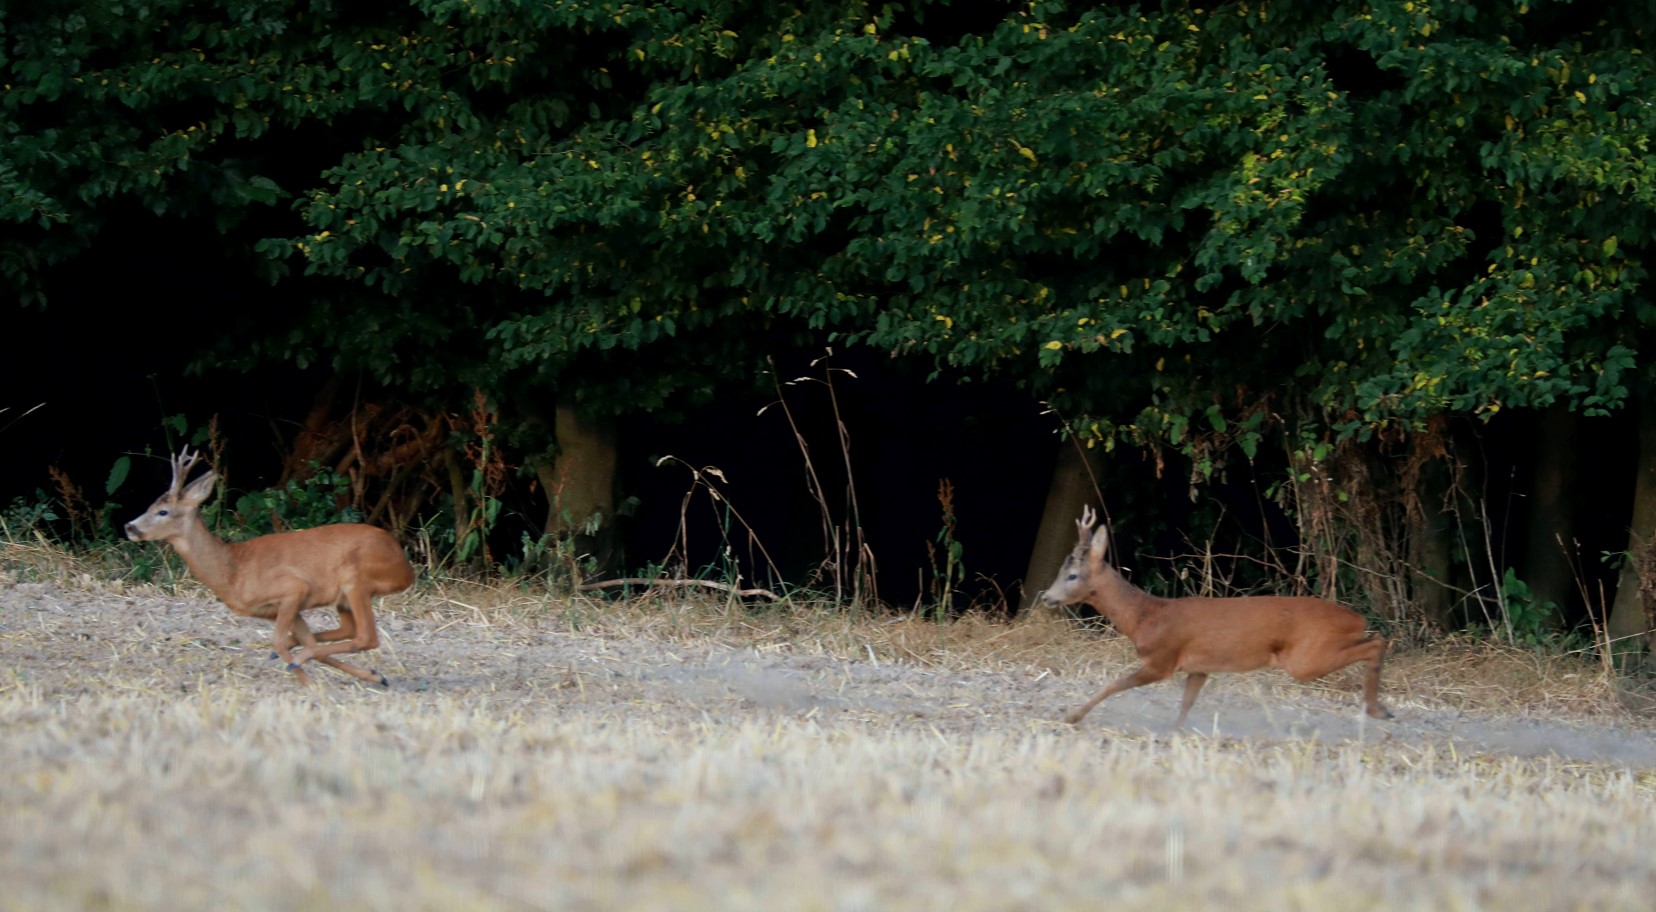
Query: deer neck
x=207, y=556
x=1126, y=605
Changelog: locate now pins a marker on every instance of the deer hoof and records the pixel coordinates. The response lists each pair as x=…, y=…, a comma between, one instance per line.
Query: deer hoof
x=384, y=682
x=293, y=666
x=275, y=655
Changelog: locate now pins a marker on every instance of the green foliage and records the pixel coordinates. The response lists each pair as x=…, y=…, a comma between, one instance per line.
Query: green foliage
x=946, y=579
x=26, y=515
x=323, y=497
x=1198, y=228
x=1529, y=620
x=117, y=475
x=1377, y=215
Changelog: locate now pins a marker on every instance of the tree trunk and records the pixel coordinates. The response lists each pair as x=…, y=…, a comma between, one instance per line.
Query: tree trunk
x=1630, y=621
x=312, y=443
x=1547, y=566
x=1431, y=542
x=459, y=494
x=580, y=484
x=1074, y=485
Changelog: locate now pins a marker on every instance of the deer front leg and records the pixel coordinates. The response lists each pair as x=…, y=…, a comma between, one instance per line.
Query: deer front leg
x=302, y=637
x=1144, y=674
x=1193, y=686
x=288, y=623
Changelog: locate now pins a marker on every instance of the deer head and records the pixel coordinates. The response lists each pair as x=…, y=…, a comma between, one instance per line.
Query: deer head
x=172, y=513
x=1084, y=566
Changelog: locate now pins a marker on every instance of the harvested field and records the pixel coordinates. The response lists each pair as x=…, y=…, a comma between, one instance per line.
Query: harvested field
x=668, y=754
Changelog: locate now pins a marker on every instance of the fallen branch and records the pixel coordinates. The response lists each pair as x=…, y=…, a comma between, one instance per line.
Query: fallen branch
x=679, y=584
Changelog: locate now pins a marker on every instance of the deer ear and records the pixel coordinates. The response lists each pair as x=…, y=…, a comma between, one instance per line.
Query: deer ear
x=200, y=489
x=1100, y=544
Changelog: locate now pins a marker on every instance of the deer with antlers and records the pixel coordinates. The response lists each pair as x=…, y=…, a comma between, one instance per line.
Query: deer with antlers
x=277, y=577
x=1307, y=637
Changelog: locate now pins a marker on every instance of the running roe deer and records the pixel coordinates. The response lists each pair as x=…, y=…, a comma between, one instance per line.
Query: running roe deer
x=1307, y=637
x=276, y=577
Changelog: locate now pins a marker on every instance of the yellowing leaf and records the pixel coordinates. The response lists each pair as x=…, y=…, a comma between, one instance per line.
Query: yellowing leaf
x=1054, y=345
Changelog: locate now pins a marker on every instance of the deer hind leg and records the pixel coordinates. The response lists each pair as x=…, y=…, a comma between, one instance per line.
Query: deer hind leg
x=1371, y=682
x=365, y=636
x=346, y=629
x=1329, y=660
x=370, y=675
x=366, y=674
x=1193, y=686
x=1144, y=674
x=308, y=642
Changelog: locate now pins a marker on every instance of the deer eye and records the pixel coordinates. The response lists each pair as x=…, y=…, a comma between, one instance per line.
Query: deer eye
x=1074, y=576
x=160, y=512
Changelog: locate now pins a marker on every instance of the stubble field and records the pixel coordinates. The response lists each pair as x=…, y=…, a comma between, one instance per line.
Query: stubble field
x=537, y=753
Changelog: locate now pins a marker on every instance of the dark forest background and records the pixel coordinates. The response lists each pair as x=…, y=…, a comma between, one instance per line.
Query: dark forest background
x=1343, y=298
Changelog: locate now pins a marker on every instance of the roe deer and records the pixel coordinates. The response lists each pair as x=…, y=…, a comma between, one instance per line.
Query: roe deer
x=277, y=577
x=1307, y=637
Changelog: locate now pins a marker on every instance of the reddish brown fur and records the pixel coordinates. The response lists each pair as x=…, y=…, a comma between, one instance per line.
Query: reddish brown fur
x=1307, y=637
x=277, y=577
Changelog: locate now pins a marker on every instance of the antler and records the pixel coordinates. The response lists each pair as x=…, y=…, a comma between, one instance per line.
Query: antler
x=1085, y=524
x=181, y=465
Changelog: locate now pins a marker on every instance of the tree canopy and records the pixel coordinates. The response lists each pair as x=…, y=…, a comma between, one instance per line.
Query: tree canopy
x=1395, y=209
x=1182, y=226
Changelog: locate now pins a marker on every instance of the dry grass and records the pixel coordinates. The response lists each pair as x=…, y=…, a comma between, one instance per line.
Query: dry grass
x=691, y=754
x=1458, y=673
